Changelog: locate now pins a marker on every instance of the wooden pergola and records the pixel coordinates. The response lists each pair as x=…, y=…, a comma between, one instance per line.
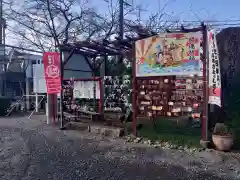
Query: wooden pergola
x=90, y=50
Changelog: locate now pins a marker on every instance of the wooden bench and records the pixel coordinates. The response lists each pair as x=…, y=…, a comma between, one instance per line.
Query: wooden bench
x=88, y=115
x=69, y=117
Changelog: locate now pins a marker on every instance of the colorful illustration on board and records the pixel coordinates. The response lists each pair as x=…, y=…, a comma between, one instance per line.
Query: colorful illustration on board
x=168, y=54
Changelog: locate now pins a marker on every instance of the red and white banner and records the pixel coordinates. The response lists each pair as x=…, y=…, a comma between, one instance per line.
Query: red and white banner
x=214, y=82
x=51, y=61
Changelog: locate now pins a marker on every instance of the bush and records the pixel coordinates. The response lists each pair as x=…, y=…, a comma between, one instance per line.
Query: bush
x=4, y=105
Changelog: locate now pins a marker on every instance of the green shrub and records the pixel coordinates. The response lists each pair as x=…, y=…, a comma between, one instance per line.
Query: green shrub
x=4, y=105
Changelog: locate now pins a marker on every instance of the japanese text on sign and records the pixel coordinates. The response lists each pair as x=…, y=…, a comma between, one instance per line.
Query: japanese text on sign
x=51, y=61
x=214, y=71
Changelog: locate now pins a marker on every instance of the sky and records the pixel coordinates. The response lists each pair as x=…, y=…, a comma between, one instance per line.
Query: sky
x=205, y=9
x=181, y=10
x=188, y=10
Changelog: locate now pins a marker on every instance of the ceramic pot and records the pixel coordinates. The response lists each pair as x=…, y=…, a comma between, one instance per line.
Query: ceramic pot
x=222, y=142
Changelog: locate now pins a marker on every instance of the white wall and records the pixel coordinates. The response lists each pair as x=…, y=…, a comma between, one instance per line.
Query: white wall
x=77, y=62
x=39, y=83
x=29, y=67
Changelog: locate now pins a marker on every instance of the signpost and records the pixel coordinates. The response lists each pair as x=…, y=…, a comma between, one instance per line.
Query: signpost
x=52, y=74
x=51, y=61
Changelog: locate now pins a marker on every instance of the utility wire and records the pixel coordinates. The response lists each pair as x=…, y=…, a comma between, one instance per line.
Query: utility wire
x=207, y=21
x=214, y=24
x=210, y=23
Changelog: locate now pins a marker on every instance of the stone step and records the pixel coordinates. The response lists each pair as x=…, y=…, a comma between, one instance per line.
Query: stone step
x=77, y=126
x=106, y=130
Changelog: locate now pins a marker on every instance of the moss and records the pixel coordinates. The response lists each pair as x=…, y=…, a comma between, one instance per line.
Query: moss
x=166, y=130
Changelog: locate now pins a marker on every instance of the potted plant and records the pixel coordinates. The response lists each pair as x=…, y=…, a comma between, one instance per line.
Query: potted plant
x=222, y=138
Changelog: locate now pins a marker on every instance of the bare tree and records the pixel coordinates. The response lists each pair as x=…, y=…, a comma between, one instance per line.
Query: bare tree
x=44, y=24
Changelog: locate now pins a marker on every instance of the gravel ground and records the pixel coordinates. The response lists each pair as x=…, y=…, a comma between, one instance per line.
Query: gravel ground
x=30, y=149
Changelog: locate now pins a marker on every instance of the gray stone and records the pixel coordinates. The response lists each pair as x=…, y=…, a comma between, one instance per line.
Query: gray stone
x=205, y=144
x=137, y=140
x=145, y=142
x=209, y=150
x=149, y=142
x=155, y=145
x=191, y=150
x=94, y=129
x=106, y=131
x=129, y=139
x=167, y=145
x=78, y=126
x=180, y=148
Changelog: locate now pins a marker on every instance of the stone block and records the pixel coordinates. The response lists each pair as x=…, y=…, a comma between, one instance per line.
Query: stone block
x=106, y=131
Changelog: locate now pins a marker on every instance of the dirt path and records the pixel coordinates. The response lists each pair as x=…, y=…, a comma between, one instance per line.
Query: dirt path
x=30, y=149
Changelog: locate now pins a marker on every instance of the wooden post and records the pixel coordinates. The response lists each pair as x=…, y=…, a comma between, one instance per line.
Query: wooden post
x=103, y=68
x=134, y=95
x=61, y=93
x=205, y=85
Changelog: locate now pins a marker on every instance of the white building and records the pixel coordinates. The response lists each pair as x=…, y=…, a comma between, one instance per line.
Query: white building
x=19, y=73
x=28, y=72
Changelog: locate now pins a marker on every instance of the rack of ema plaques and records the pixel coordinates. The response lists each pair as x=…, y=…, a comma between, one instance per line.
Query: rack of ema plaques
x=117, y=102
x=170, y=96
x=81, y=99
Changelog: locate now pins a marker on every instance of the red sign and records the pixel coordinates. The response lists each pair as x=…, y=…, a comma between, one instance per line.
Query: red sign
x=51, y=61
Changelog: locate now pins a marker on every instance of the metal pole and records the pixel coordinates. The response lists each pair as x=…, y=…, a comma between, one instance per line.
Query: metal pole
x=121, y=19
x=1, y=16
x=47, y=109
x=94, y=84
x=29, y=117
x=37, y=87
x=2, y=45
x=61, y=93
x=9, y=112
x=205, y=85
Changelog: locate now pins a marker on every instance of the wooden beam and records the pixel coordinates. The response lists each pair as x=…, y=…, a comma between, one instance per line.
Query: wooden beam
x=100, y=49
x=69, y=56
x=90, y=65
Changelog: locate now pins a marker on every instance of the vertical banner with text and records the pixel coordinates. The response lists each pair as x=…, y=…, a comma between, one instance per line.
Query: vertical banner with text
x=214, y=82
x=51, y=61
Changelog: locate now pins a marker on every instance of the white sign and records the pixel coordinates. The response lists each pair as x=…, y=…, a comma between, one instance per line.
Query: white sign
x=214, y=81
x=39, y=83
x=52, y=70
x=85, y=89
